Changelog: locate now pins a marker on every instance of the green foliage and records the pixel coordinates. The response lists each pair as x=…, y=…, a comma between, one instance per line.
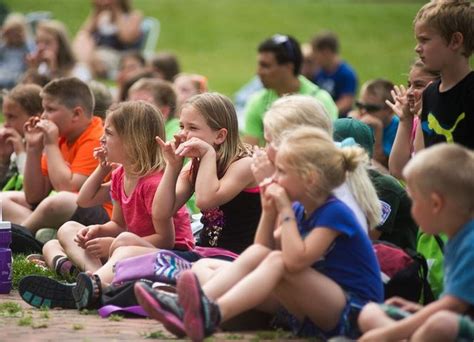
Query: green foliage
x=77, y=327
x=219, y=38
x=88, y=312
x=22, y=267
x=278, y=334
x=10, y=309
x=154, y=335
x=41, y=325
x=115, y=318
x=25, y=321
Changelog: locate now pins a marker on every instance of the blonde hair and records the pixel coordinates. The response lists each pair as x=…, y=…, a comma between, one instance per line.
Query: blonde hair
x=448, y=17
x=290, y=112
x=446, y=169
x=138, y=123
x=15, y=21
x=65, y=57
x=308, y=149
x=219, y=112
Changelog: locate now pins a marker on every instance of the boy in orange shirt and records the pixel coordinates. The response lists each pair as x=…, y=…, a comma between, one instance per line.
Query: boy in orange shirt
x=59, y=149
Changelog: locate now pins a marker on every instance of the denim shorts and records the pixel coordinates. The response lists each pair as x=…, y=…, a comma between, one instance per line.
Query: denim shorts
x=347, y=325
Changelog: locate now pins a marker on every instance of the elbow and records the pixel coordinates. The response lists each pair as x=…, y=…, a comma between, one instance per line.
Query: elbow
x=82, y=202
x=204, y=204
x=33, y=199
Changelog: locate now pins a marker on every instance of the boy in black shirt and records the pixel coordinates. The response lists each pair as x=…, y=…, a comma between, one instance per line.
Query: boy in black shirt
x=445, y=34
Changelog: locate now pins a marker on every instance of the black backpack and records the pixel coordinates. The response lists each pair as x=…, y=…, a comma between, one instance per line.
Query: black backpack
x=23, y=241
x=404, y=273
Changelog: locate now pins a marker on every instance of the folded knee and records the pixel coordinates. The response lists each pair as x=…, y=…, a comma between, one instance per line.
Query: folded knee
x=68, y=231
x=367, y=315
x=123, y=239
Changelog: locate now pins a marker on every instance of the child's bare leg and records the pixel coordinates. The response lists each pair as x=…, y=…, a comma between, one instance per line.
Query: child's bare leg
x=442, y=326
x=254, y=290
x=15, y=207
x=312, y=294
x=75, y=253
x=239, y=268
x=106, y=272
x=206, y=269
x=371, y=317
x=52, y=212
x=128, y=239
x=51, y=250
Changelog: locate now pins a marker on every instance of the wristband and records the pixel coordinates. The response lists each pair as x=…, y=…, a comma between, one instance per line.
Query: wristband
x=287, y=219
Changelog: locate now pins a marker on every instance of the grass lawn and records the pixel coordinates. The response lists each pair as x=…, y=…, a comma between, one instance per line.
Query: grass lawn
x=218, y=38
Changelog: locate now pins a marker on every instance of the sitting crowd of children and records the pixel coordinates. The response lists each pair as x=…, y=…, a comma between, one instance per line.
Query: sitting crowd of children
x=278, y=225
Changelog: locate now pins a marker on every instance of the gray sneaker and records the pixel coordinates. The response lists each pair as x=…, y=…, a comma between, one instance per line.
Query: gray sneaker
x=162, y=306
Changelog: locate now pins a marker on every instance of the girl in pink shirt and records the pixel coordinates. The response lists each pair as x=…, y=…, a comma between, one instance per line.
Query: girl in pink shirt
x=128, y=150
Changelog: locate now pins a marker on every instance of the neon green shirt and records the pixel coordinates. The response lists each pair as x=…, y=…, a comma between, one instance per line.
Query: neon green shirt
x=171, y=128
x=260, y=102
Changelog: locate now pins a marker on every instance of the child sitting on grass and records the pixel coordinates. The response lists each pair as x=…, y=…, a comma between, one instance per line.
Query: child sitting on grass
x=440, y=183
x=129, y=140
x=313, y=248
x=19, y=104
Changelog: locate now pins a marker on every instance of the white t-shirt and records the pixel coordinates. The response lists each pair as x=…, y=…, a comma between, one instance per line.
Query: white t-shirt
x=345, y=195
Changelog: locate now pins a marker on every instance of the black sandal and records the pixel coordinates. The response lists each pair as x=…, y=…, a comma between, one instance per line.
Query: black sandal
x=88, y=291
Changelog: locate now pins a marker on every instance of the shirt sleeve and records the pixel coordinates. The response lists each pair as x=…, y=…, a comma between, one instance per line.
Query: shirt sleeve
x=339, y=217
x=461, y=279
x=115, y=184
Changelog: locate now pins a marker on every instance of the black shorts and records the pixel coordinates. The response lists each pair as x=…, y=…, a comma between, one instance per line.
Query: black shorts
x=90, y=216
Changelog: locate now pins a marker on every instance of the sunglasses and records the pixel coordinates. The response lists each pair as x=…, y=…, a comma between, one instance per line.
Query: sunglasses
x=369, y=108
x=281, y=39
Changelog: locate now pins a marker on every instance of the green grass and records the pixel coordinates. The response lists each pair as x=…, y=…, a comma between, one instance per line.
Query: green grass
x=10, y=309
x=22, y=268
x=219, y=38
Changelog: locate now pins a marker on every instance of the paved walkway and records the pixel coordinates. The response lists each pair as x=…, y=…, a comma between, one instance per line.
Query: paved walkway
x=70, y=325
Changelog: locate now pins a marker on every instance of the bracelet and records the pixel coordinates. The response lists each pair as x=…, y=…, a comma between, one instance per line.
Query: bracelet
x=287, y=219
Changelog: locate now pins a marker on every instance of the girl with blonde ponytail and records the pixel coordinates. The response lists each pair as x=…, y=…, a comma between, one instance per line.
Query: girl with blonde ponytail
x=290, y=112
x=312, y=263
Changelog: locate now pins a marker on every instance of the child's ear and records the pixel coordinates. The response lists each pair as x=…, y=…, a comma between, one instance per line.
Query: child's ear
x=77, y=111
x=221, y=136
x=312, y=178
x=437, y=202
x=457, y=40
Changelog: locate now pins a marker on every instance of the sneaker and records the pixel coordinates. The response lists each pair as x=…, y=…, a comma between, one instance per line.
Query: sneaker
x=162, y=306
x=41, y=291
x=201, y=315
x=88, y=291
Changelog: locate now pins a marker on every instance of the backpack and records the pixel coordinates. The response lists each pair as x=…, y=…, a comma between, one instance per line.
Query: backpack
x=432, y=248
x=23, y=241
x=404, y=273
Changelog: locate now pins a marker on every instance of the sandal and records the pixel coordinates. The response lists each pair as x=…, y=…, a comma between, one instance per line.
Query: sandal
x=88, y=291
x=38, y=260
x=41, y=291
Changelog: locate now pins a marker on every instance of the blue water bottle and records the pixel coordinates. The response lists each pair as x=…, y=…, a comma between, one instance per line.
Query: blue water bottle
x=5, y=257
